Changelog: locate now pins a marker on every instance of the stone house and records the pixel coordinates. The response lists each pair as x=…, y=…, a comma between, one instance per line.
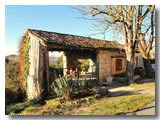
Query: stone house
x=108, y=57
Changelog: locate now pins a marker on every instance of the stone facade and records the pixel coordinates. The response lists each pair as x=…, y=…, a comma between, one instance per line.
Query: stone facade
x=104, y=60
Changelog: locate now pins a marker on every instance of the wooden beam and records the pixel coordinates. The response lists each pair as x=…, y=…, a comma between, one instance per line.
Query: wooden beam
x=118, y=56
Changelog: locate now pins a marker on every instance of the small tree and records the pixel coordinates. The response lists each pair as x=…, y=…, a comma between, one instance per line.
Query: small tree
x=59, y=62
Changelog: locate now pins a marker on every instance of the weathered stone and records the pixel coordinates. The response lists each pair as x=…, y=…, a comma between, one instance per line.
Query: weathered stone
x=104, y=58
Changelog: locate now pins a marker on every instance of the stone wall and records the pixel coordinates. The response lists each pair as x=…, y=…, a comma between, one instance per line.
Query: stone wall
x=104, y=59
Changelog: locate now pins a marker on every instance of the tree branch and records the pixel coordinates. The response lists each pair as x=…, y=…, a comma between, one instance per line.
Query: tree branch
x=152, y=30
x=98, y=12
x=145, y=14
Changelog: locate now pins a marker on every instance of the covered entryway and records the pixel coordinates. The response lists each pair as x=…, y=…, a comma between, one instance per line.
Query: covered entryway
x=80, y=64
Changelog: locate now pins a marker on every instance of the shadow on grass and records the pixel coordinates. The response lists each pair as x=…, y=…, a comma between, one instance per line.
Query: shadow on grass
x=145, y=80
x=125, y=93
x=17, y=108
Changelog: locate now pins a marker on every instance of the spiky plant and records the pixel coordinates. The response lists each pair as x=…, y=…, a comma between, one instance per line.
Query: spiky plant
x=67, y=86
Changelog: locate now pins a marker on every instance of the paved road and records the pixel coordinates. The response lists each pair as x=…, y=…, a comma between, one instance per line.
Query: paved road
x=147, y=110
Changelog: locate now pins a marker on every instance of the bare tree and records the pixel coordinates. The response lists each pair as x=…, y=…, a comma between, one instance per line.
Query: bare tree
x=129, y=20
x=145, y=46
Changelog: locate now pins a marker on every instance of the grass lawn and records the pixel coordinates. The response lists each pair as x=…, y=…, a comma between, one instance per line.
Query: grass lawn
x=119, y=105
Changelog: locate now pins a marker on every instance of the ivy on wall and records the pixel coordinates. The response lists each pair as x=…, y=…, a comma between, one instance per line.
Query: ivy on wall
x=24, y=61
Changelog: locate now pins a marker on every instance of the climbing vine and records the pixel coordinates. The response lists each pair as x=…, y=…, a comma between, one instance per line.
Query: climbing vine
x=24, y=61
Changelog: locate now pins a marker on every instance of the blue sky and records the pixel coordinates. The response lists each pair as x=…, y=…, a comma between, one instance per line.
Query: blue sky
x=62, y=19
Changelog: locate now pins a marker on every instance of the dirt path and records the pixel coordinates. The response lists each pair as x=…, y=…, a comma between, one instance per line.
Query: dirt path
x=147, y=110
x=147, y=89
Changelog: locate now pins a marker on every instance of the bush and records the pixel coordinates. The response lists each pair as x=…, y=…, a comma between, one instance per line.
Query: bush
x=13, y=96
x=11, y=74
x=70, y=88
x=83, y=64
x=59, y=62
x=13, y=86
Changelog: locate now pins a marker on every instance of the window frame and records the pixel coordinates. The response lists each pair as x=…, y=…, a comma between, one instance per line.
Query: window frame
x=118, y=64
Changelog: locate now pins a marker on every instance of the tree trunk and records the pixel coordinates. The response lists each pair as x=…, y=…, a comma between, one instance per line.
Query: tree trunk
x=148, y=68
x=130, y=68
x=130, y=48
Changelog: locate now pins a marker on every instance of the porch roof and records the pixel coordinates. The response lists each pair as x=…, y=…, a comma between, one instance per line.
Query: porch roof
x=55, y=40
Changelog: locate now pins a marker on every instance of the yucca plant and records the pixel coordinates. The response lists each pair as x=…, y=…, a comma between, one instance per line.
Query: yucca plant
x=67, y=86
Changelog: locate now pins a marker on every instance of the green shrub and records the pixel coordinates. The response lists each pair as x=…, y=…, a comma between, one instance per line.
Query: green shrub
x=11, y=74
x=69, y=88
x=83, y=64
x=59, y=62
x=13, y=91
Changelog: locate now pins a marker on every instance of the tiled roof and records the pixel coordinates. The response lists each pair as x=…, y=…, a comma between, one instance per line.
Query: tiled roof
x=69, y=40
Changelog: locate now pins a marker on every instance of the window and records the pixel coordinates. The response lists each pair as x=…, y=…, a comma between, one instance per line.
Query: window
x=118, y=64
